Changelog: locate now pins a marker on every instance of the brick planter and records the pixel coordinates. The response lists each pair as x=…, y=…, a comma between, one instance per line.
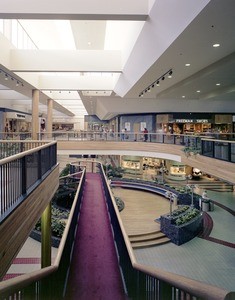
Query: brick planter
x=183, y=233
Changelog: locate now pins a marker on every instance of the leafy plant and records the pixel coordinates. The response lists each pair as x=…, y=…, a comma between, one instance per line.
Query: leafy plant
x=188, y=216
x=180, y=210
x=58, y=223
x=65, y=171
x=120, y=204
x=114, y=171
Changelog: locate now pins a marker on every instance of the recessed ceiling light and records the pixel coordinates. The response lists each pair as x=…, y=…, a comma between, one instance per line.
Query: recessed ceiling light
x=187, y=65
x=183, y=96
x=218, y=84
x=198, y=91
x=89, y=43
x=216, y=45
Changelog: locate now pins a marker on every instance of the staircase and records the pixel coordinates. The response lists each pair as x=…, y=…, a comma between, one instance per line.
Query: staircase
x=148, y=239
x=213, y=185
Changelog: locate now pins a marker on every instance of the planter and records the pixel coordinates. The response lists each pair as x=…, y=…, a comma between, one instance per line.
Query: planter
x=185, y=199
x=183, y=233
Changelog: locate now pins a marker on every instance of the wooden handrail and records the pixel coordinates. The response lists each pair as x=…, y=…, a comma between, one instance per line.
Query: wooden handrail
x=191, y=286
x=17, y=283
x=200, y=289
x=27, y=152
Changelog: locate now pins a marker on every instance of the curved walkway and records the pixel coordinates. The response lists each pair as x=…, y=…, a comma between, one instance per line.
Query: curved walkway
x=199, y=259
x=94, y=272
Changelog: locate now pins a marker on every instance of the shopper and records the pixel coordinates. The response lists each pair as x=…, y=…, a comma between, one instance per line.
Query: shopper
x=145, y=134
x=123, y=134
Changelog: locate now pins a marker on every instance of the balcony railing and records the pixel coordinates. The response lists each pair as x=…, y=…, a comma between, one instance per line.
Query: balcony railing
x=215, y=145
x=141, y=282
x=24, y=165
x=219, y=146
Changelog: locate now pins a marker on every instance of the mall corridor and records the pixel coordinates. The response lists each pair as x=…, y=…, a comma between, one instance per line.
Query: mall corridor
x=94, y=272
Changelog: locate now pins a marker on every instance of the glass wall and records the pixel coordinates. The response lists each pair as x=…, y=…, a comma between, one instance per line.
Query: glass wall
x=15, y=33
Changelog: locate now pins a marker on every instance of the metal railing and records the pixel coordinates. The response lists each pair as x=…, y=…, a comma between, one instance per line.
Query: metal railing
x=148, y=283
x=50, y=282
x=141, y=282
x=24, y=166
x=215, y=145
x=131, y=136
x=219, y=149
x=219, y=146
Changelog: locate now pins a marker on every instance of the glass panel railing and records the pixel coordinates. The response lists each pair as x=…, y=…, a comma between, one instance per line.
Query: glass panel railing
x=191, y=144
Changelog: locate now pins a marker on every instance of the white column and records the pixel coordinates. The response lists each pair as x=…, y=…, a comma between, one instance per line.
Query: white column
x=35, y=114
x=49, y=118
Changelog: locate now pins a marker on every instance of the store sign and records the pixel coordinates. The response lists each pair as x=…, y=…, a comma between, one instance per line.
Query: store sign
x=192, y=121
x=20, y=116
x=14, y=115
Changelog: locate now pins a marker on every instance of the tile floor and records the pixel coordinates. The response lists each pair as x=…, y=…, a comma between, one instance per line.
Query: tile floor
x=201, y=259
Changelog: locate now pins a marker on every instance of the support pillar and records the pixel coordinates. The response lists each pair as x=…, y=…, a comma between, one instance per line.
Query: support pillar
x=46, y=237
x=49, y=118
x=35, y=115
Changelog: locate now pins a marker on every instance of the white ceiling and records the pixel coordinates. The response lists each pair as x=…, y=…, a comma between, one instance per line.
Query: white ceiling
x=138, y=48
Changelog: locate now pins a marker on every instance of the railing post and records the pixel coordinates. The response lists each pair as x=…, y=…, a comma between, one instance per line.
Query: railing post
x=24, y=175
x=202, y=147
x=165, y=290
x=213, y=149
x=229, y=152
x=39, y=164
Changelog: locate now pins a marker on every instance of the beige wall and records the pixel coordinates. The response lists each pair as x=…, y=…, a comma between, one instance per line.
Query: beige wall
x=218, y=168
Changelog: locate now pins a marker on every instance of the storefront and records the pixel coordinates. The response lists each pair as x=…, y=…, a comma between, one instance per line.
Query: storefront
x=132, y=164
x=164, y=123
x=192, y=125
x=175, y=170
x=223, y=124
x=18, y=122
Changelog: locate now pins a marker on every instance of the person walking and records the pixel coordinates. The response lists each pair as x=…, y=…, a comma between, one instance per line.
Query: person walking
x=123, y=134
x=145, y=134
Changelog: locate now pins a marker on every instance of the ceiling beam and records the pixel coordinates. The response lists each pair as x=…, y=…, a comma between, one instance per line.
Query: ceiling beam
x=76, y=9
x=65, y=61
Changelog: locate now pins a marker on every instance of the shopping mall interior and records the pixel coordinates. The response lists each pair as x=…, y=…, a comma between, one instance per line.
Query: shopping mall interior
x=135, y=100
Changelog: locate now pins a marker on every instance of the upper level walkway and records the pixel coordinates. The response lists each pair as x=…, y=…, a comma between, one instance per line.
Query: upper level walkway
x=167, y=149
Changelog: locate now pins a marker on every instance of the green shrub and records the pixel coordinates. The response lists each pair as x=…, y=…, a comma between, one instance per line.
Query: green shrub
x=120, y=204
x=180, y=210
x=65, y=171
x=57, y=222
x=188, y=216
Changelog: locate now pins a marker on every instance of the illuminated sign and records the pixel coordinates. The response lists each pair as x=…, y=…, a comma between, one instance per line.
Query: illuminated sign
x=192, y=121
